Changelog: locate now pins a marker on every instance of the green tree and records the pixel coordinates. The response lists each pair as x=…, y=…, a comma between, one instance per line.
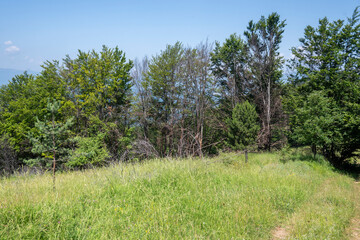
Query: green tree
x=328, y=60
x=164, y=79
x=174, y=95
x=99, y=88
x=243, y=127
x=317, y=122
x=252, y=70
x=50, y=143
x=265, y=64
x=99, y=82
x=230, y=66
x=94, y=88
x=17, y=111
x=25, y=97
x=91, y=151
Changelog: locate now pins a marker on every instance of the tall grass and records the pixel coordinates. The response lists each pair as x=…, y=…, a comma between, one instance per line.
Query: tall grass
x=218, y=198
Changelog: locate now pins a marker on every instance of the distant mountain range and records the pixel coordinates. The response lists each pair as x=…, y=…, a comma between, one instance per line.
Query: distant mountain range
x=7, y=74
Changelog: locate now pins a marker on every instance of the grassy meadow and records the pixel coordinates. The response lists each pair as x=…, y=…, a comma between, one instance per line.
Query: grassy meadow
x=210, y=198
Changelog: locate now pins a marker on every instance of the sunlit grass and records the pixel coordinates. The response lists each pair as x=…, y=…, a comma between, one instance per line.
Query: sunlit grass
x=218, y=198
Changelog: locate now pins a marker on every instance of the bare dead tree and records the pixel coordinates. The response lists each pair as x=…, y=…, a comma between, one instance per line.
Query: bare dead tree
x=142, y=92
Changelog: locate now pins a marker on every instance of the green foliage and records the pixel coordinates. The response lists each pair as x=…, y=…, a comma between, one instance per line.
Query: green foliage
x=179, y=111
x=51, y=140
x=317, y=121
x=99, y=93
x=17, y=110
x=99, y=82
x=164, y=81
x=90, y=151
x=229, y=65
x=265, y=67
x=264, y=38
x=163, y=78
x=94, y=89
x=243, y=126
x=328, y=60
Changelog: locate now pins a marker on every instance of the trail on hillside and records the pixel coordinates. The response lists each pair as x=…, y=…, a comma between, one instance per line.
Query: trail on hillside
x=284, y=231
x=354, y=228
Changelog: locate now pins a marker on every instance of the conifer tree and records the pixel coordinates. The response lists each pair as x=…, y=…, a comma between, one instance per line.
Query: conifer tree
x=52, y=135
x=243, y=127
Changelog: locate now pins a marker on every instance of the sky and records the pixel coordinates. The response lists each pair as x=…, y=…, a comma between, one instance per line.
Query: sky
x=32, y=32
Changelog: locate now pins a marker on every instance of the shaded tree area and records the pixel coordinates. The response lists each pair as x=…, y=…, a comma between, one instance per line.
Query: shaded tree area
x=323, y=99
x=189, y=101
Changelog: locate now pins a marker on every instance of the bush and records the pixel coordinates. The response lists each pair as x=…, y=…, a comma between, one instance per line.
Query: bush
x=91, y=151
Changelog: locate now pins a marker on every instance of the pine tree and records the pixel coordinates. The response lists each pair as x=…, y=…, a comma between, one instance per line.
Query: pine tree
x=243, y=127
x=52, y=135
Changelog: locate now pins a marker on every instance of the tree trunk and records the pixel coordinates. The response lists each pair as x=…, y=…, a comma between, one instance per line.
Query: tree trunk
x=200, y=141
x=246, y=155
x=269, y=116
x=313, y=149
x=54, y=160
x=54, y=151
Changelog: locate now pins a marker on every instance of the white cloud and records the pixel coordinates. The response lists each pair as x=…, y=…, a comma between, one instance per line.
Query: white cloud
x=12, y=49
x=8, y=42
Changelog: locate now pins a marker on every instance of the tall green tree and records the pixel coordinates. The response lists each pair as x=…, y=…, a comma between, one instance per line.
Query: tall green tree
x=94, y=88
x=99, y=83
x=243, y=127
x=164, y=79
x=174, y=99
x=99, y=95
x=17, y=111
x=25, y=97
x=317, y=122
x=230, y=66
x=328, y=60
x=265, y=64
x=251, y=69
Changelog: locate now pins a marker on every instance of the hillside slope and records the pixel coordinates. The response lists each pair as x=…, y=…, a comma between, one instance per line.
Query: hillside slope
x=218, y=198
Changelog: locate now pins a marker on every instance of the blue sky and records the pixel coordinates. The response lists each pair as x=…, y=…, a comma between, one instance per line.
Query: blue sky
x=34, y=31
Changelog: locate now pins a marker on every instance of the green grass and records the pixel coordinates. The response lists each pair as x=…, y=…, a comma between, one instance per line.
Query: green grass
x=218, y=198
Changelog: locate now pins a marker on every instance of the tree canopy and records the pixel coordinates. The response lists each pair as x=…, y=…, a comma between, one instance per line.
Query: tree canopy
x=190, y=101
x=326, y=88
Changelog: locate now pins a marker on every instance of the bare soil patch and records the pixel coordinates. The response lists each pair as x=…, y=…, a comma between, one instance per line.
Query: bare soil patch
x=280, y=233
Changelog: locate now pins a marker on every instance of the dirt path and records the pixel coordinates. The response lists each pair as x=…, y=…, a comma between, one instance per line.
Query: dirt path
x=352, y=232
x=354, y=228
x=280, y=233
